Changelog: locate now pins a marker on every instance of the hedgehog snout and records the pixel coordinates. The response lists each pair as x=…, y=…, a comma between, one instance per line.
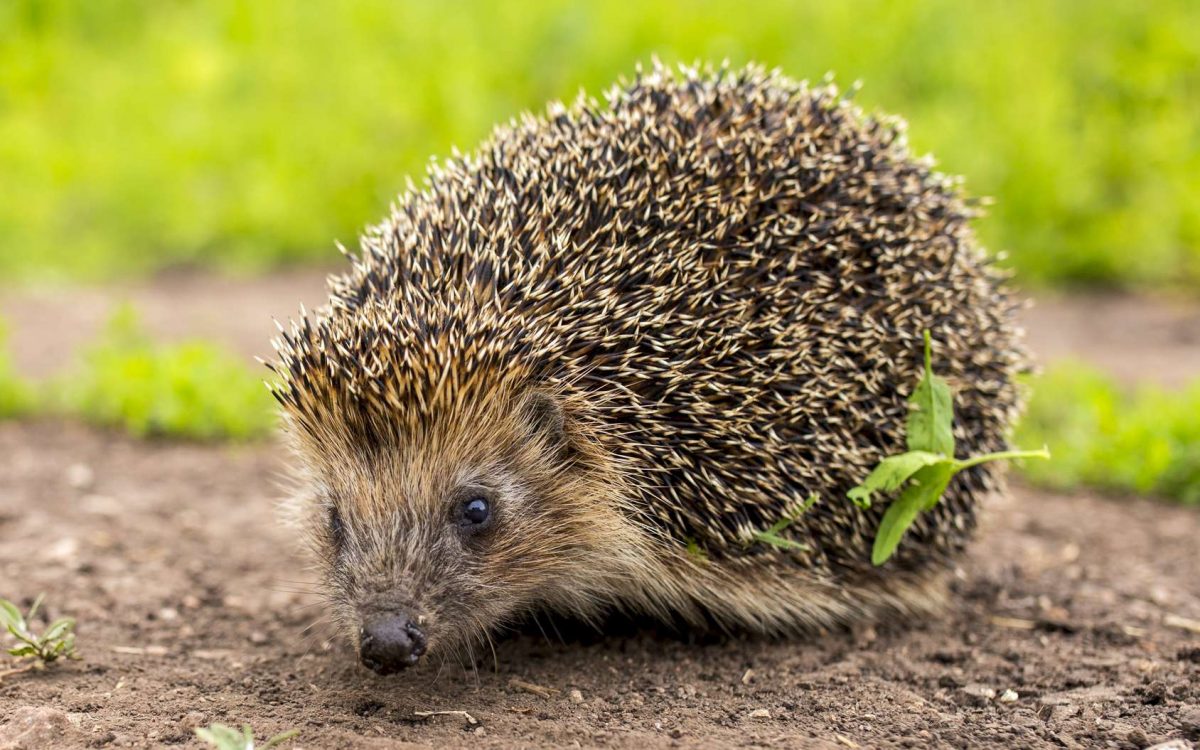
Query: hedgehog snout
x=391, y=642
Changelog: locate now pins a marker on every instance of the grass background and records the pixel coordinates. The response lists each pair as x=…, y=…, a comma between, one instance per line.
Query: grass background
x=1144, y=440
x=193, y=389
x=138, y=135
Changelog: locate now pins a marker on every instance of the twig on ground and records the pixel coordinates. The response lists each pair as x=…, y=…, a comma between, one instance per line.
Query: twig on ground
x=529, y=687
x=1184, y=623
x=426, y=714
x=1015, y=623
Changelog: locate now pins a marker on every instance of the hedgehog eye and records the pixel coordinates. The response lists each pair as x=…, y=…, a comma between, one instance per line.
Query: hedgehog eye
x=475, y=513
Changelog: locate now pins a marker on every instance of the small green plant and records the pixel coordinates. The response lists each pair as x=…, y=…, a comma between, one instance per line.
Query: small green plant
x=695, y=551
x=190, y=390
x=37, y=651
x=225, y=737
x=924, y=471
x=772, y=535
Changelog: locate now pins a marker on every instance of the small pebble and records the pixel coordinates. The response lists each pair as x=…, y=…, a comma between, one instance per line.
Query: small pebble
x=1009, y=696
x=189, y=721
x=1189, y=721
x=760, y=713
x=101, y=505
x=80, y=476
x=575, y=696
x=976, y=695
x=1176, y=744
x=39, y=726
x=63, y=550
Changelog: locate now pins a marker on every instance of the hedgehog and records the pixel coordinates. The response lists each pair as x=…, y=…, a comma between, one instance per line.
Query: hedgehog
x=581, y=368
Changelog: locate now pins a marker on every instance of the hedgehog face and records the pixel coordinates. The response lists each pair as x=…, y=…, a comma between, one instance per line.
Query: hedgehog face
x=432, y=542
x=413, y=567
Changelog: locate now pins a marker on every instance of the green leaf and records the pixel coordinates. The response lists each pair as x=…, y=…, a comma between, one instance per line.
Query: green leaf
x=967, y=463
x=791, y=517
x=23, y=651
x=931, y=418
x=10, y=616
x=58, y=628
x=891, y=473
x=936, y=482
x=928, y=466
x=22, y=635
x=33, y=610
x=224, y=737
x=772, y=537
x=927, y=487
x=281, y=738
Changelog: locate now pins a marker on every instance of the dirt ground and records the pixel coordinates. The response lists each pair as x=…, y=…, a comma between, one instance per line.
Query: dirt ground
x=1076, y=624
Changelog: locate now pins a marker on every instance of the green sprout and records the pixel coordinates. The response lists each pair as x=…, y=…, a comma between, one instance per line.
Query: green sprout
x=57, y=642
x=225, y=737
x=772, y=535
x=925, y=470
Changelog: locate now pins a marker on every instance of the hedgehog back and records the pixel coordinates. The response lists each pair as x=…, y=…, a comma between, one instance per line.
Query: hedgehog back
x=734, y=268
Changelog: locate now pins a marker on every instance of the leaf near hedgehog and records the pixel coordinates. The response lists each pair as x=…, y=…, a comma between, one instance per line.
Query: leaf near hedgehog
x=925, y=470
x=931, y=416
x=773, y=535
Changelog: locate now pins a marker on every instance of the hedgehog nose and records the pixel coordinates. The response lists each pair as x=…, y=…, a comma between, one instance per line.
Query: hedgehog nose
x=390, y=643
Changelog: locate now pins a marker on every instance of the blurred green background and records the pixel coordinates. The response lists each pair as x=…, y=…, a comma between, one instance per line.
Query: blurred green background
x=136, y=136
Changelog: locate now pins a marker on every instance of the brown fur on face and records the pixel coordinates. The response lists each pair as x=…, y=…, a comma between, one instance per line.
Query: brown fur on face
x=549, y=542
x=651, y=328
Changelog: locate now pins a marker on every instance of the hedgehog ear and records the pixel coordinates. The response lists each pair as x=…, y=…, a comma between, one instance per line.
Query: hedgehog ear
x=545, y=417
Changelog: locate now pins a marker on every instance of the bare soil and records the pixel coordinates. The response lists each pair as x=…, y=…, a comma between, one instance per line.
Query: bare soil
x=1076, y=621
